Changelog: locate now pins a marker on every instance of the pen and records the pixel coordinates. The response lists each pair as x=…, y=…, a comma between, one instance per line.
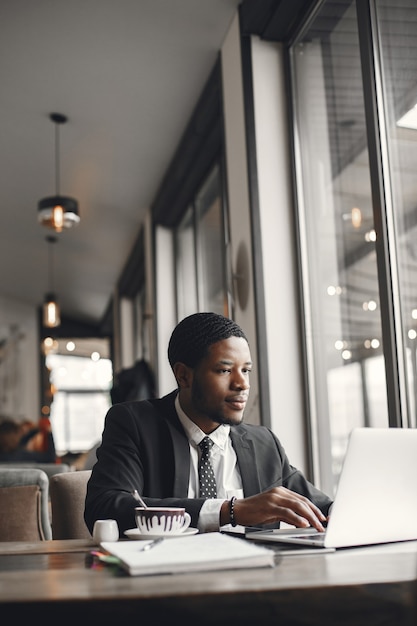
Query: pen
x=151, y=544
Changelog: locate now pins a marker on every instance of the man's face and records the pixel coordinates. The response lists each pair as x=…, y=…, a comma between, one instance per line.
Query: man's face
x=220, y=385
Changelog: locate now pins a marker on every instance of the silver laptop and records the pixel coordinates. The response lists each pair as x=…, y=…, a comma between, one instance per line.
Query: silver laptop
x=376, y=498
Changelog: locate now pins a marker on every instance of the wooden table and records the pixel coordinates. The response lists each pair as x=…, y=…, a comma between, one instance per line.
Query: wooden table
x=57, y=581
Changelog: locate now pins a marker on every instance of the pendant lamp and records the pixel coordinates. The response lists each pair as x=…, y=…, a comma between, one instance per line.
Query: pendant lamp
x=58, y=212
x=51, y=313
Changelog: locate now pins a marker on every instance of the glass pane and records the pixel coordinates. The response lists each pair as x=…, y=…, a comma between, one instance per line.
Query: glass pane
x=78, y=420
x=397, y=24
x=185, y=266
x=342, y=321
x=211, y=247
x=80, y=402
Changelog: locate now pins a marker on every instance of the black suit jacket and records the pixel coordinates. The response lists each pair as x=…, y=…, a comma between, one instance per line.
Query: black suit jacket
x=144, y=447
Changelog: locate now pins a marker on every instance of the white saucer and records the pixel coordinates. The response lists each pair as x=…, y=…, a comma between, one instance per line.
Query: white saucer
x=134, y=533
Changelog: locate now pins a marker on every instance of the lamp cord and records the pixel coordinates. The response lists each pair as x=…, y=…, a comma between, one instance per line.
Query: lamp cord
x=51, y=240
x=57, y=163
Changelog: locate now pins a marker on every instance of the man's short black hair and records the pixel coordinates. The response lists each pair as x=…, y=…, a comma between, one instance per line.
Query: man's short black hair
x=192, y=337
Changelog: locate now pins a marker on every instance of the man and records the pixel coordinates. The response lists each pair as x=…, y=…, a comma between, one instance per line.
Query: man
x=153, y=445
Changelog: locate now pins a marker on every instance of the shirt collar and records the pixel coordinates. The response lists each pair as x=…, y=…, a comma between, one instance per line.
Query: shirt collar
x=195, y=434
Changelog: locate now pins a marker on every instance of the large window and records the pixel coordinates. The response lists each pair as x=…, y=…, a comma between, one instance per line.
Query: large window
x=186, y=271
x=354, y=76
x=397, y=28
x=200, y=248
x=344, y=348
x=81, y=379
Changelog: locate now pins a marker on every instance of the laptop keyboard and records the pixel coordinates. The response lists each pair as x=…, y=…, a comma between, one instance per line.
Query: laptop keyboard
x=318, y=537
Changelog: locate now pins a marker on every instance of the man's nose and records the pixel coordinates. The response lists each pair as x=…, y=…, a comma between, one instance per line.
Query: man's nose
x=240, y=381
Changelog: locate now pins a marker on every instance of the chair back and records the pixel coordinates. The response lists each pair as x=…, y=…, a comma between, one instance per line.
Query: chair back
x=67, y=493
x=24, y=505
x=49, y=468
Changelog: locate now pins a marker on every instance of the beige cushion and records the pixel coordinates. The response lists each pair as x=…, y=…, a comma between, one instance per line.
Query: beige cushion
x=67, y=492
x=24, y=505
x=20, y=518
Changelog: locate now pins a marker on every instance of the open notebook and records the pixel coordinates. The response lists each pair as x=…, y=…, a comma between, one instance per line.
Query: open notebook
x=203, y=552
x=376, y=499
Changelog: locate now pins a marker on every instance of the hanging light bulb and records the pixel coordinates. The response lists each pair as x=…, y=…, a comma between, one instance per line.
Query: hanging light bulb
x=51, y=312
x=58, y=212
x=356, y=216
x=51, y=315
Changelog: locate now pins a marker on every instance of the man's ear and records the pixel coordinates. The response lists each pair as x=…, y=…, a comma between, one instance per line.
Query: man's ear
x=183, y=375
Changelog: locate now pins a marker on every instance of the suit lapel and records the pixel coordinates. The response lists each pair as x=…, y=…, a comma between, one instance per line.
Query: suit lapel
x=181, y=450
x=246, y=461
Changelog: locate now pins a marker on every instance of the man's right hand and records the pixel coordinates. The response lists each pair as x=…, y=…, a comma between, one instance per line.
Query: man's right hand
x=276, y=505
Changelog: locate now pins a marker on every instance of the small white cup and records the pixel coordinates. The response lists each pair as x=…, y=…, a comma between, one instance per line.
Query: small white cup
x=105, y=530
x=161, y=520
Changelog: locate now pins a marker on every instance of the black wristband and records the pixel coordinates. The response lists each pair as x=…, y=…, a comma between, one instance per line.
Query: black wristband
x=232, y=510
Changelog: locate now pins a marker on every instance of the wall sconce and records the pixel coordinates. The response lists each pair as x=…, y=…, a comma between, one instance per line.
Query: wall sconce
x=58, y=212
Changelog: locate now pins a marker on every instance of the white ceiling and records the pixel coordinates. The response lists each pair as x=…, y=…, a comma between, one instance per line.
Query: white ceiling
x=128, y=74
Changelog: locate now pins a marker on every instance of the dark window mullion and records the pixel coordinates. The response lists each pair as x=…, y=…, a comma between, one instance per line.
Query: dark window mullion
x=385, y=246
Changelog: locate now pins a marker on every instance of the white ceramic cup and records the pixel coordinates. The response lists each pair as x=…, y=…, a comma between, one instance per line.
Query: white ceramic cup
x=161, y=520
x=105, y=530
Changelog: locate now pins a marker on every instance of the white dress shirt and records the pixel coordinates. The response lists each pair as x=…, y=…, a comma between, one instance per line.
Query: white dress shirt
x=226, y=470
